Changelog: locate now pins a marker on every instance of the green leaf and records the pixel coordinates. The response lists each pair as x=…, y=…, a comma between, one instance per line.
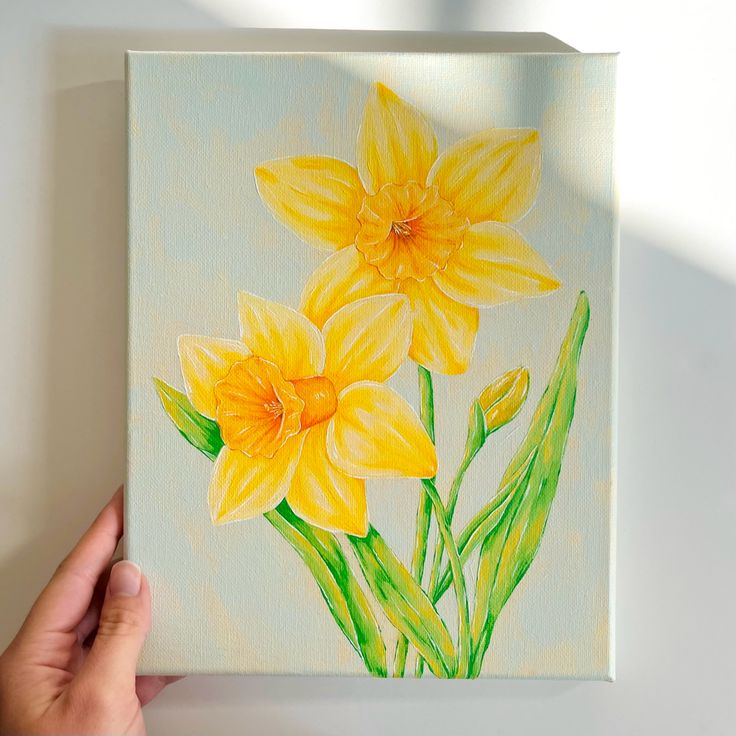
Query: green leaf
x=405, y=604
x=508, y=550
x=325, y=559
x=320, y=550
x=199, y=431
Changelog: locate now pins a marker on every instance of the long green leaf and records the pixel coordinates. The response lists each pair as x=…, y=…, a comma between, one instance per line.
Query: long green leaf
x=405, y=604
x=508, y=550
x=319, y=549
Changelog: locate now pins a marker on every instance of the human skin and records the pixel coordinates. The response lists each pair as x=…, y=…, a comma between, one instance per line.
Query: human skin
x=71, y=669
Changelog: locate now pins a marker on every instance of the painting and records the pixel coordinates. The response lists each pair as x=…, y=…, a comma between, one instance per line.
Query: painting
x=372, y=362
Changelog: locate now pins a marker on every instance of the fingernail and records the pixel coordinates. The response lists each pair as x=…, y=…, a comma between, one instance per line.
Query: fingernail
x=125, y=579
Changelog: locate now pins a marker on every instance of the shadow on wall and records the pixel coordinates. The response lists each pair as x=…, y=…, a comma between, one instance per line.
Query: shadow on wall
x=676, y=378
x=80, y=453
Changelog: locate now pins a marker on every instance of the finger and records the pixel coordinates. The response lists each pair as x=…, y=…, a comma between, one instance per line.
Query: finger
x=91, y=618
x=147, y=687
x=124, y=623
x=66, y=598
x=88, y=624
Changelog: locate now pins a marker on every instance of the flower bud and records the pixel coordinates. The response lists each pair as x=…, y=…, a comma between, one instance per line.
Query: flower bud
x=502, y=399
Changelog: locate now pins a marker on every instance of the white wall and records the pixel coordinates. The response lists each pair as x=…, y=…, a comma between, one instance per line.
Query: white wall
x=62, y=322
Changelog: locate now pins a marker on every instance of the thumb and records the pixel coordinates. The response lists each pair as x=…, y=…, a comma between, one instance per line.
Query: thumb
x=124, y=622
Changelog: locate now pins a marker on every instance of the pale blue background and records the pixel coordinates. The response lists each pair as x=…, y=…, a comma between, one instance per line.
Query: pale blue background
x=236, y=598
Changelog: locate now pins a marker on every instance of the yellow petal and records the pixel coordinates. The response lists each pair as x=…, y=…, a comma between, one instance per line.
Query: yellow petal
x=282, y=335
x=396, y=143
x=367, y=340
x=204, y=361
x=493, y=175
x=317, y=197
x=444, y=329
x=495, y=265
x=340, y=279
x=243, y=487
x=323, y=495
x=375, y=433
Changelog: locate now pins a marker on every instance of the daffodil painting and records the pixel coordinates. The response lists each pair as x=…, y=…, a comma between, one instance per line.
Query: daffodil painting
x=371, y=362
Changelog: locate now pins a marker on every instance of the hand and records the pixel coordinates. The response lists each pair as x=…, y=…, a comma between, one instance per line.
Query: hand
x=71, y=668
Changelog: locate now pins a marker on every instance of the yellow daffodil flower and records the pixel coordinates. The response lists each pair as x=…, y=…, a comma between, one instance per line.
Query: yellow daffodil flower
x=304, y=414
x=406, y=221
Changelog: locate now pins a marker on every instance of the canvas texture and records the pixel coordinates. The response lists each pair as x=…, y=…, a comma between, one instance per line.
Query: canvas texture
x=372, y=362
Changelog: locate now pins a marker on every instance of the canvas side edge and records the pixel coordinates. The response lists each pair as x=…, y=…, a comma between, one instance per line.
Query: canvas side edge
x=129, y=277
x=615, y=325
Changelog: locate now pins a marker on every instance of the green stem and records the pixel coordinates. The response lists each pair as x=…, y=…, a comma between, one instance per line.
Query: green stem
x=455, y=488
x=458, y=579
x=439, y=550
x=424, y=512
x=451, y=503
x=426, y=399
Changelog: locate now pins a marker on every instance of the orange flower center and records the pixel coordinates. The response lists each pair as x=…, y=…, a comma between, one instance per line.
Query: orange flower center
x=408, y=231
x=258, y=409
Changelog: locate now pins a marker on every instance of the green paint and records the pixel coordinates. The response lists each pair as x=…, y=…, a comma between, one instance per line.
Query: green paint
x=477, y=435
x=403, y=601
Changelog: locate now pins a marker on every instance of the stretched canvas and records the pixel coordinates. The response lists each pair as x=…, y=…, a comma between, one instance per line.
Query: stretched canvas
x=371, y=362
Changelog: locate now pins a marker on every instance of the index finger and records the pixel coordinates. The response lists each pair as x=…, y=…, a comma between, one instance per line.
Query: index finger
x=66, y=598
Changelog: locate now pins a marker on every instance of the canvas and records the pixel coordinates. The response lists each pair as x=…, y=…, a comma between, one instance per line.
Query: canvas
x=371, y=362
